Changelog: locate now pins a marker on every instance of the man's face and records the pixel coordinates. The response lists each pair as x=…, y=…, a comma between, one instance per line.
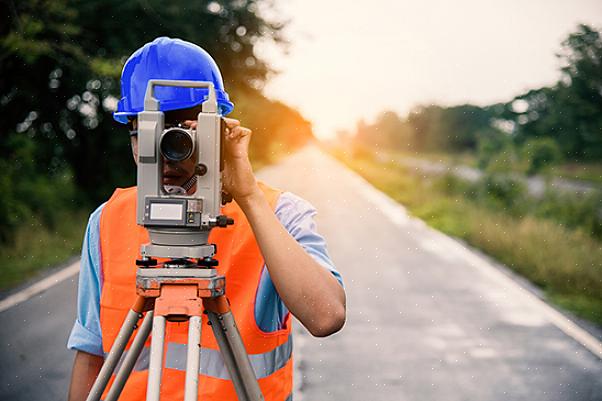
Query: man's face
x=174, y=173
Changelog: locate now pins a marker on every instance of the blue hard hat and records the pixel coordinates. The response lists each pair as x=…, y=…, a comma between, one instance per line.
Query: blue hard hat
x=166, y=58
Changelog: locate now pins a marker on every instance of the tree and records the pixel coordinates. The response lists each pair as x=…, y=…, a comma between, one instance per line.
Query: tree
x=389, y=131
x=449, y=128
x=570, y=111
x=60, y=62
x=540, y=153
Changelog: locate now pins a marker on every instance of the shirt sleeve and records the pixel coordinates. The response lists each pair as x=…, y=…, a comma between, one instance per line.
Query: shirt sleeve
x=297, y=216
x=86, y=335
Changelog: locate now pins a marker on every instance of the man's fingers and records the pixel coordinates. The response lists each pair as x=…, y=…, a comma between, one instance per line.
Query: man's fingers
x=231, y=123
x=234, y=129
x=239, y=132
x=191, y=123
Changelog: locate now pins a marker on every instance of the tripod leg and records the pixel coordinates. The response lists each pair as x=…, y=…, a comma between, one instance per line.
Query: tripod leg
x=224, y=347
x=241, y=358
x=232, y=349
x=127, y=328
x=193, y=358
x=155, y=368
x=131, y=358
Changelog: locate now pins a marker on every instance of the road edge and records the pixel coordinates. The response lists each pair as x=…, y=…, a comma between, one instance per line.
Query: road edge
x=399, y=214
x=39, y=286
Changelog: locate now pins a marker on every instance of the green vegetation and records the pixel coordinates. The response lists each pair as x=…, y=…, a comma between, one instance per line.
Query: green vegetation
x=36, y=246
x=555, y=242
x=534, y=132
x=591, y=172
x=540, y=153
x=60, y=150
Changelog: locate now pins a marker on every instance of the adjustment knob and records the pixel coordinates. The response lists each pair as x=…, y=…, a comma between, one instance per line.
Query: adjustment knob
x=224, y=221
x=200, y=169
x=146, y=262
x=208, y=262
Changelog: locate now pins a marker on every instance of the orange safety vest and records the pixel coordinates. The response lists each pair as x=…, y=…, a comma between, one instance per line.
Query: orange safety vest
x=240, y=261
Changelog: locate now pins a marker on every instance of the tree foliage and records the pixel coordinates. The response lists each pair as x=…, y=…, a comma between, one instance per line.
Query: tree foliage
x=60, y=62
x=428, y=128
x=568, y=113
x=540, y=153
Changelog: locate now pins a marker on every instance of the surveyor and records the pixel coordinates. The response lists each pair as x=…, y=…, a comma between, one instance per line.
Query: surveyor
x=275, y=262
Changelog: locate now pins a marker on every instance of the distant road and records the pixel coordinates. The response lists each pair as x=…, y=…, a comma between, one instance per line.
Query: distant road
x=427, y=318
x=536, y=185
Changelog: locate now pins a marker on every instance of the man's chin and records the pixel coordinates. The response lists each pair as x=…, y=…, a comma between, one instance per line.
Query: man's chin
x=176, y=181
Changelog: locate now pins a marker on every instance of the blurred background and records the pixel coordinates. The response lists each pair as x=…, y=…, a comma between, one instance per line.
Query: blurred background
x=483, y=119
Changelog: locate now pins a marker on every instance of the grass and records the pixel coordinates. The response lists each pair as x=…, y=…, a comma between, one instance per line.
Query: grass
x=565, y=262
x=461, y=158
x=36, y=247
x=589, y=172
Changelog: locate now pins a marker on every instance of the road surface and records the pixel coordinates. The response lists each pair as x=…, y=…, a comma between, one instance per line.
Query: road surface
x=427, y=318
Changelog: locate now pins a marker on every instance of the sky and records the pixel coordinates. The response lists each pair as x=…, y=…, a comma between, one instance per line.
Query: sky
x=349, y=60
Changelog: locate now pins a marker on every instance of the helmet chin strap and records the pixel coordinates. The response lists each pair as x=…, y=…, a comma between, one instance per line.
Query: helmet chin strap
x=181, y=190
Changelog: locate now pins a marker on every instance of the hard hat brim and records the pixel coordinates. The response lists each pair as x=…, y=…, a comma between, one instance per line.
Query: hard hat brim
x=225, y=107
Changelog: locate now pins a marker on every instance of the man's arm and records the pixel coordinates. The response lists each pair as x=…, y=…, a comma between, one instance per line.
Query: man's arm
x=85, y=336
x=310, y=292
x=85, y=370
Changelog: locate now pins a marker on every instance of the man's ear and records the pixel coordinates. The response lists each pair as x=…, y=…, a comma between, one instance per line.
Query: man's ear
x=134, y=143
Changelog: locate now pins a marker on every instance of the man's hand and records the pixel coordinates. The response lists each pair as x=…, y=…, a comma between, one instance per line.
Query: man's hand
x=237, y=178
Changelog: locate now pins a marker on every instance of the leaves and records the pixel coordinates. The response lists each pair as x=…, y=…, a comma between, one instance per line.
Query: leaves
x=61, y=62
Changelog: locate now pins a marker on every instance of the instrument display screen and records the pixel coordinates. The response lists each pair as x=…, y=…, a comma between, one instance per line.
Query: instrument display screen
x=166, y=211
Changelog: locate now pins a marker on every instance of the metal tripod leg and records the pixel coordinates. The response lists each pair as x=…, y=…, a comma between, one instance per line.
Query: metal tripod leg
x=132, y=356
x=127, y=328
x=193, y=359
x=155, y=368
x=235, y=356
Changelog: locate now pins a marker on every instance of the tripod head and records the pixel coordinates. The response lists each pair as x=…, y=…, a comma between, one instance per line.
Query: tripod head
x=179, y=224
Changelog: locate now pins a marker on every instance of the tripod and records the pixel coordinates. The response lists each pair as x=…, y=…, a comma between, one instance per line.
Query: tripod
x=180, y=291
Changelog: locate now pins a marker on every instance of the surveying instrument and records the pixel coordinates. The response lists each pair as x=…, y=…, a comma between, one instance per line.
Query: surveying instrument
x=187, y=284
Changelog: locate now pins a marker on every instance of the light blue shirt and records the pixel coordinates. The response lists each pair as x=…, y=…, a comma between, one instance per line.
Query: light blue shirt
x=294, y=213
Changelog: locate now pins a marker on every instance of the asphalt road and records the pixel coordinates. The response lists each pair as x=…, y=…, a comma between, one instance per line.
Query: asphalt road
x=35, y=363
x=427, y=318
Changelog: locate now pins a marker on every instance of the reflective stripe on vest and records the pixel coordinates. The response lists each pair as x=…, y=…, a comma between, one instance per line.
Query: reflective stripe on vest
x=212, y=363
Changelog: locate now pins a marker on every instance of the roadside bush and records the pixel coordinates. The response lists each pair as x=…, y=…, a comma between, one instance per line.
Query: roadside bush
x=558, y=259
x=503, y=191
x=574, y=211
x=26, y=193
x=450, y=184
x=540, y=153
x=495, y=150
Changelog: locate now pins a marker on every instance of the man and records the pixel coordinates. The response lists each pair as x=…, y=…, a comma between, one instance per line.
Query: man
x=273, y=258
